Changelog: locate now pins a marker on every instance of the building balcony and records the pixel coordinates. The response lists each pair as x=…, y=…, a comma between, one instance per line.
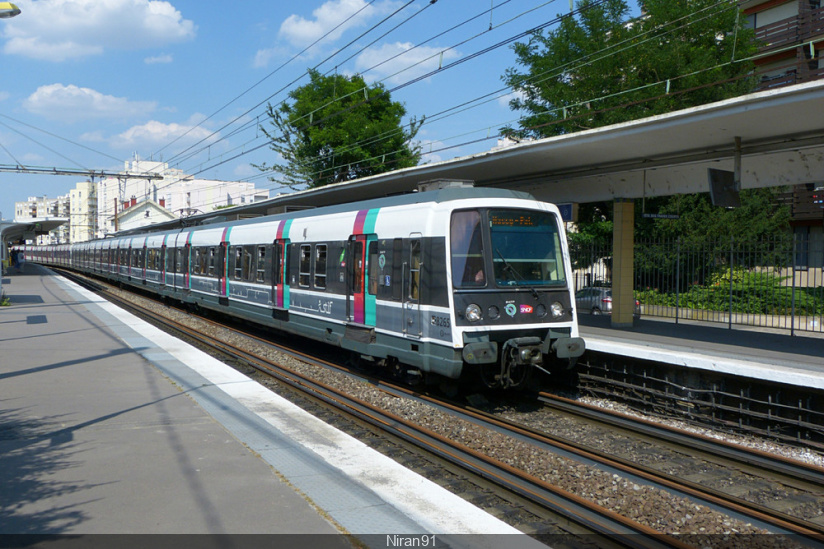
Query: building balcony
x=806, y=203
x=791, y=31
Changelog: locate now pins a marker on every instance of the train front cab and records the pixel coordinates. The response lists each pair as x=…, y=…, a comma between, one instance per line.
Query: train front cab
x=512, y=302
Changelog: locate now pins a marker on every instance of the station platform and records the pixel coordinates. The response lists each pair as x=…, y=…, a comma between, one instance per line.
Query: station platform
x=110, y=426
x=758, y=353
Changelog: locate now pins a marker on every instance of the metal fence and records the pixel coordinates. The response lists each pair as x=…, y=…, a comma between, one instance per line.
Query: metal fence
x=777, y=283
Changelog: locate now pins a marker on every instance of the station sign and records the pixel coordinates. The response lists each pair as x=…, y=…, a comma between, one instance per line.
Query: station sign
x=569, y=211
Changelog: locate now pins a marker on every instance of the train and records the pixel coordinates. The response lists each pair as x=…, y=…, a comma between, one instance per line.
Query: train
x=458, y=284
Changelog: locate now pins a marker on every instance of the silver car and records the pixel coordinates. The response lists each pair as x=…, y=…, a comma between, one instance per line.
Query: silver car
x=598, y=301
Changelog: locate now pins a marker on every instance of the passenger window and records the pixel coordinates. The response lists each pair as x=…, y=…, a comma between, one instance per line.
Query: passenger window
x=260, y=272
x=277, y=263
x=305, y=265
x=237, y=254
x=357, y=260
x=247, y=263
x=372, y=268
x=320, y=266
x=211, y=271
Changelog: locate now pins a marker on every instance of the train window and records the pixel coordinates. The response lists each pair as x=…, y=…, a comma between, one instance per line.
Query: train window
x=467, y=249
x=372, y=267
x=277, y=264
x=397, y=269
x=527, y=248
x=305, y=265
x=357, y=262
x=212, y=262
x=247, y=262
x=170, y=260
x=151, y=259
x=320, y=266
x=237, y=254
x=260, y=272
x=196, y=262
x=414, y=269
x=185, y=259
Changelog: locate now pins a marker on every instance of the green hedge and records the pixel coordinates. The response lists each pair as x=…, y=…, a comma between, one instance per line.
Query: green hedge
x=752, y=293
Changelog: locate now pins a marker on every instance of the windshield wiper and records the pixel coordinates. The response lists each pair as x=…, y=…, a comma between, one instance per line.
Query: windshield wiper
x=517, y=275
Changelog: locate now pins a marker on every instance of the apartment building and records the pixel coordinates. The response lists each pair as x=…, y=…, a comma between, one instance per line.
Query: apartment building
x=791, y=34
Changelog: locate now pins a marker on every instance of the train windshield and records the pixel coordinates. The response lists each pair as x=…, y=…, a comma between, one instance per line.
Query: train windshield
x=526, y=248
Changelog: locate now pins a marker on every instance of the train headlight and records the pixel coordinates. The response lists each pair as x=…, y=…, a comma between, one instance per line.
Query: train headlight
x=473, y=313
x=557, y=310
x=493, y=312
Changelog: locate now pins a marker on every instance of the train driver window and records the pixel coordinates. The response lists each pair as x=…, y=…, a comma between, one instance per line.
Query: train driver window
x=467, y=250
x=414, y=269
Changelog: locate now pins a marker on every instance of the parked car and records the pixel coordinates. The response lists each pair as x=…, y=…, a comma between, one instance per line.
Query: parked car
x=598, y=301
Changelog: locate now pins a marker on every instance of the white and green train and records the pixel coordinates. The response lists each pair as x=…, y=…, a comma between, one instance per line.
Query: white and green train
x=459, y=283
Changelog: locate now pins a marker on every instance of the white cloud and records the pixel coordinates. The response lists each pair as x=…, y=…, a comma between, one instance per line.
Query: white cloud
x=328, y=23
x=299, y=31
x=57, y=30
x=162, y=58
x=154, y=134
x=404, y=63
x=71, y=104
x=4, y=95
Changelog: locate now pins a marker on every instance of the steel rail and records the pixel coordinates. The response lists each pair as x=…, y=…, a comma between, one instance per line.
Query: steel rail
x=619, y=529
x=746, y=456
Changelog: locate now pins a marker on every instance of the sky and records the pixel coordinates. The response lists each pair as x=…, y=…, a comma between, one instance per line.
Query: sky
x=91, y=84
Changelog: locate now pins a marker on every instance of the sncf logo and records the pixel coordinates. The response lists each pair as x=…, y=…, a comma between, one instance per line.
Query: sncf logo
x=526, y=309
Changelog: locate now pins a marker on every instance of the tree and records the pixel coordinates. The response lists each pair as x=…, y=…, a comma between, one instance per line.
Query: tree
x=338, y=128
x=598, y=67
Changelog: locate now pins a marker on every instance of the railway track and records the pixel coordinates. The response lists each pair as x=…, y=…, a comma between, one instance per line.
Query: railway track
x=610, y=526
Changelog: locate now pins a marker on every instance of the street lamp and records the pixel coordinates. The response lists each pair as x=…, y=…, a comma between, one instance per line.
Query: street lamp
x=7, y=10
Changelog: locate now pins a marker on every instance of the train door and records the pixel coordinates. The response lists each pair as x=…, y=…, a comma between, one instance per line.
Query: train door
x=356, y=271
x=412, y=269
x=361, y=284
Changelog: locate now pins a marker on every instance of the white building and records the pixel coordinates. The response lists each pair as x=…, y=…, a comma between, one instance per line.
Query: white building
x=41, y=208
x=83, y=212
x=141, y=214
x=180, y=194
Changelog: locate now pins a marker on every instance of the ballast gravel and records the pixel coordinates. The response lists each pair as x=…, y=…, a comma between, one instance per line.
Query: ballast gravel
x=693, y=523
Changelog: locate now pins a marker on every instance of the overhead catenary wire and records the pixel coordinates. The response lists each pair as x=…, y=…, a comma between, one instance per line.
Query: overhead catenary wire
x=451, y=65
x=436, y=149
x=444, y=113
x=287, y=86
x=626, y=91
x=363, y=48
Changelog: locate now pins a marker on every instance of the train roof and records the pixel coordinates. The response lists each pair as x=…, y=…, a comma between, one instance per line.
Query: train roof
x=438, y=195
